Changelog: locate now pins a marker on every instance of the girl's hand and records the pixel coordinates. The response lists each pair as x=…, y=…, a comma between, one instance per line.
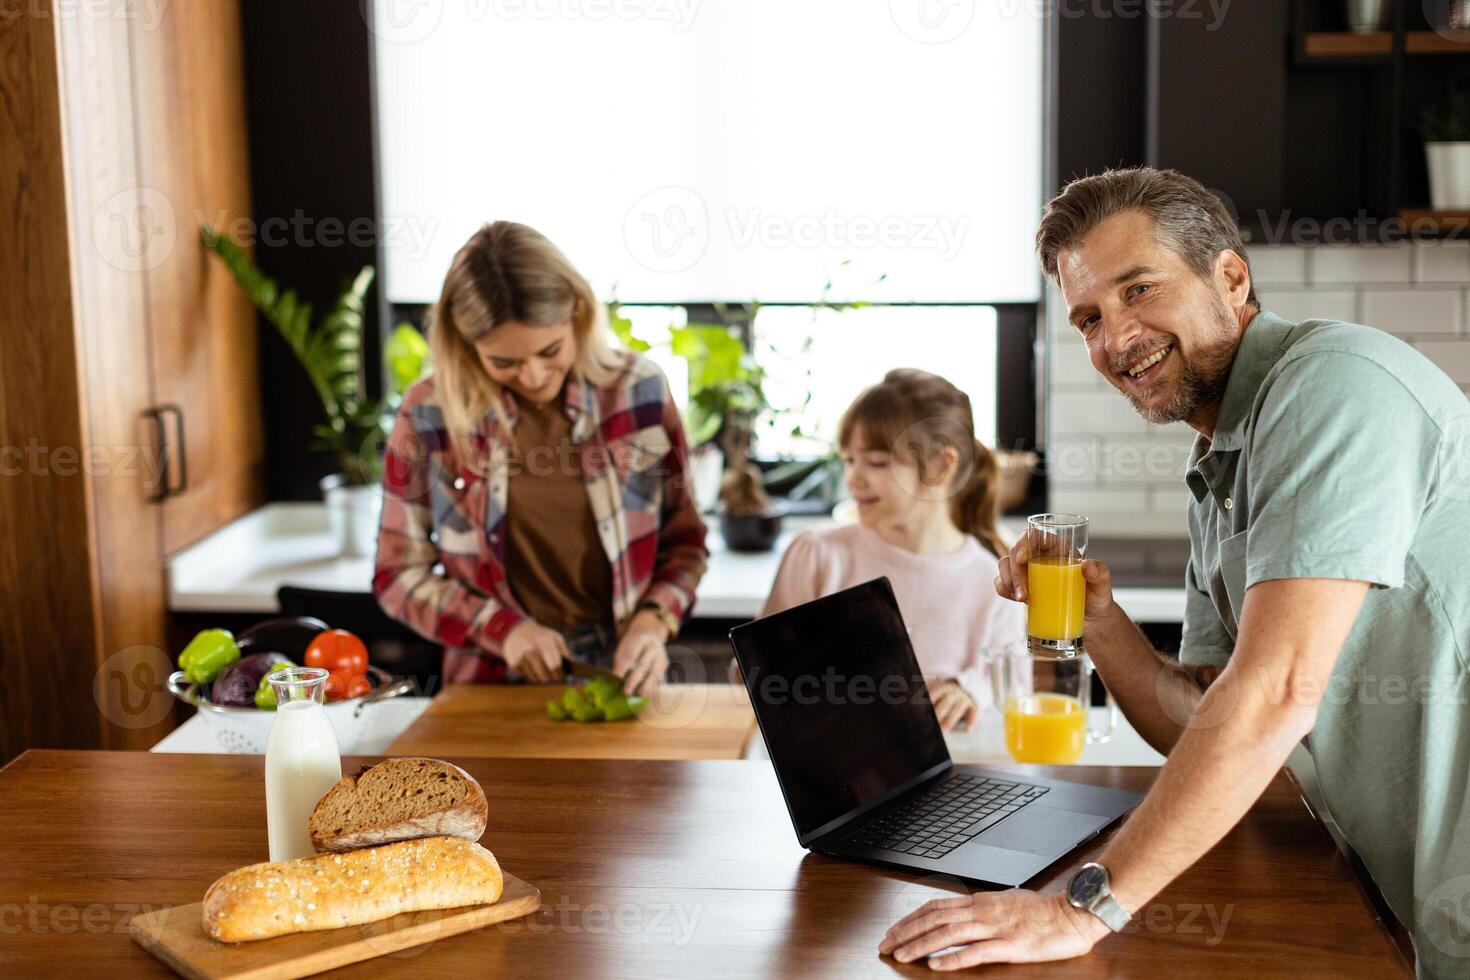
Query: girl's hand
x=642, y=659
x=953, y=704
x=535, y=652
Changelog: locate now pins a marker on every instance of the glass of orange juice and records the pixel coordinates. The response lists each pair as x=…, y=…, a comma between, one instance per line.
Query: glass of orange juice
x=1055, y=588
x=1044, y=703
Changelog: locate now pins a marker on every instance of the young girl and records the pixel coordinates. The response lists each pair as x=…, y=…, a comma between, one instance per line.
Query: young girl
x=925, y=490
x=536, y=497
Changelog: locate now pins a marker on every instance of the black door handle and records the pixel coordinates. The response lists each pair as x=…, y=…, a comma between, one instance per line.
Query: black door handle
x=166, y=487
x=181, y=448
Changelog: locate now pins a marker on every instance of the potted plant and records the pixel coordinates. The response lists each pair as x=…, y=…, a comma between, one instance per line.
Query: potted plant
x=329, y=350
x=725, y=399
x=1445, y=128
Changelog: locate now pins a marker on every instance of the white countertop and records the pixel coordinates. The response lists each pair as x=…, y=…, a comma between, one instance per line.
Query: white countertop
x=986, y=744
x=240, y=567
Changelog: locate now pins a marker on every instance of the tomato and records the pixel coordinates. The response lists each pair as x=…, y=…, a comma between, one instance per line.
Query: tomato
x=338, y=651
x=336, y=686
x=358, y=686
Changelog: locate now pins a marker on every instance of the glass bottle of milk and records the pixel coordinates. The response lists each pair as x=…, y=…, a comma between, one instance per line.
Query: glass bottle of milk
x=301, y=759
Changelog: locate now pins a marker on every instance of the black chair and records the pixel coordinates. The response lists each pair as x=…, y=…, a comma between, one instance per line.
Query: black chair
x=391, y=645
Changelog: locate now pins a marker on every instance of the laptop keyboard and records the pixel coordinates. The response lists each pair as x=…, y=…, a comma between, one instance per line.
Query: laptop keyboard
x=949, y=815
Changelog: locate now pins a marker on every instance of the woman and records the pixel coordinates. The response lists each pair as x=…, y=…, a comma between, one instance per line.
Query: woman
x=545, y=472
x=925, y=490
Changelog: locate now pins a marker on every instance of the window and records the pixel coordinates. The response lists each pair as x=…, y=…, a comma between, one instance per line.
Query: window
x=726, y=150
x=835, y=354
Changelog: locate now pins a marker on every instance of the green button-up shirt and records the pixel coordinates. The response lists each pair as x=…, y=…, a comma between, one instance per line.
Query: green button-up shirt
x=1341, y=452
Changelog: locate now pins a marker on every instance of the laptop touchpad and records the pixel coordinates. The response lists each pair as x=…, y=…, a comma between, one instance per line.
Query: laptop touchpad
x=1040, y=829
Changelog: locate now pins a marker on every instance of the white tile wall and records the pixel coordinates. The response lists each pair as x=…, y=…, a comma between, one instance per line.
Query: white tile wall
x=1128, y=475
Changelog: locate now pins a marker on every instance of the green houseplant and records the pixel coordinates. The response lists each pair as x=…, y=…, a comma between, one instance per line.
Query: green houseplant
x=1445, y=127
x=329, y=351
x=726, y=397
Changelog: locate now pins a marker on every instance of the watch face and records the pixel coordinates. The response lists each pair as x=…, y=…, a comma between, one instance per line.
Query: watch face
x=1087, y=885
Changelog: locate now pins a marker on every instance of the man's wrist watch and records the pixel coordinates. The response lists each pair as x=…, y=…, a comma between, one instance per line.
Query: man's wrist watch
x=1091, y=891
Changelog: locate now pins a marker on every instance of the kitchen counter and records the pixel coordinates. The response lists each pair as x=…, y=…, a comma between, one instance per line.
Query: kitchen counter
x=239, y=568
x=646, y=869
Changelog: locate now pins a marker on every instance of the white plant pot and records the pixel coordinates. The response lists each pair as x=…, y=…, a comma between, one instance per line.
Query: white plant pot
x=706, y=467
x=1449, y=175
x=353, y=513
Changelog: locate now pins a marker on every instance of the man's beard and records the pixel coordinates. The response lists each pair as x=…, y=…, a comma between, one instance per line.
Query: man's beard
x=1202, y=379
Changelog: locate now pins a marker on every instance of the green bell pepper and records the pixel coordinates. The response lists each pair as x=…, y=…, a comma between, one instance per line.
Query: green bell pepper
x=265, y=695
x=210, y=652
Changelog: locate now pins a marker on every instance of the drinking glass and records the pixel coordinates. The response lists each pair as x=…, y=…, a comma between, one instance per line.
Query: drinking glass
x=1055, y=588
x=1044, y=701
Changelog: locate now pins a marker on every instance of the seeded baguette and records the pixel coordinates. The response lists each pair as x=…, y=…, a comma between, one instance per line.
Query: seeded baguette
x=330, y=891
x=398, y=799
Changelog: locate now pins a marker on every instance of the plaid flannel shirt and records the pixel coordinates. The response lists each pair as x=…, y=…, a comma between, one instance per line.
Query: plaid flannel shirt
x=441, y=544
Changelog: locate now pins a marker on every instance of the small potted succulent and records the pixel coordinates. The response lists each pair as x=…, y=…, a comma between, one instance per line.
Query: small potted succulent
x=1445, y=127
x=329, y=351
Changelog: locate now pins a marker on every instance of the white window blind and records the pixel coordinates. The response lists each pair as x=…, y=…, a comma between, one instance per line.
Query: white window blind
x=724, y=150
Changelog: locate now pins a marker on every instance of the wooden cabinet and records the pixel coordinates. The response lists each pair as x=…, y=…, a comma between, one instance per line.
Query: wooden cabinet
x=119, y=131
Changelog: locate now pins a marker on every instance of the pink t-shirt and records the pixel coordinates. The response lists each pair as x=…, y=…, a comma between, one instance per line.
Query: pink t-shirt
x=948, y=601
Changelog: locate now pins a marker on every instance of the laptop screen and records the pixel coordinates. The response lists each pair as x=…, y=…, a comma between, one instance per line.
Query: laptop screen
x=840, y=701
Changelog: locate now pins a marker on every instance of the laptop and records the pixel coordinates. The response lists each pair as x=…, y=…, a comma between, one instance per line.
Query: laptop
x=862, y=761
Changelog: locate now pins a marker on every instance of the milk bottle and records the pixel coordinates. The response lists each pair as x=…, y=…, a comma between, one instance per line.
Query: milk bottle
x=301, y=759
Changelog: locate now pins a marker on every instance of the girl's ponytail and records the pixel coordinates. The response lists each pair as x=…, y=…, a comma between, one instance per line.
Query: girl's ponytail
x=977, y=504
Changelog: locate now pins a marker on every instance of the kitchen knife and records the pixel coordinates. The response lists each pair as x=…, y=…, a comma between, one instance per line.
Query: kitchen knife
x=576, y=668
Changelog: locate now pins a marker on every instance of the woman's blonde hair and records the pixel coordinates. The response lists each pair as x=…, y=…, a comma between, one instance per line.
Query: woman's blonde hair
x=916, y=415
x=507, y=272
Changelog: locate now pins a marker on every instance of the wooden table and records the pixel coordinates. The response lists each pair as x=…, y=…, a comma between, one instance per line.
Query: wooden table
x=645, y=869
x=508, y=721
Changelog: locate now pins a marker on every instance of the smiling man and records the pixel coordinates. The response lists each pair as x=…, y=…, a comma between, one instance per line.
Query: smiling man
x=1327, y=592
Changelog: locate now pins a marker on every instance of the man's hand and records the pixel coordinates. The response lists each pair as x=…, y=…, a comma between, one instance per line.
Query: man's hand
x=535, y=651
x=953, y=704
x=642, y=658
x=1013, y=926
x=1011, y=582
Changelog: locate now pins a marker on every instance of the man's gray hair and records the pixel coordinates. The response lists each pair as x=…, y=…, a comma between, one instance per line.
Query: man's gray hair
x=1190, y=220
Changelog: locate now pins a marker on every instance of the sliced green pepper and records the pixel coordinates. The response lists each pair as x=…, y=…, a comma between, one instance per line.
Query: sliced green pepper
x=555, y=711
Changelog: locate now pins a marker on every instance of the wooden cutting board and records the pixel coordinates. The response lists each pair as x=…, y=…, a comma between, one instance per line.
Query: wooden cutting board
x=176, y=936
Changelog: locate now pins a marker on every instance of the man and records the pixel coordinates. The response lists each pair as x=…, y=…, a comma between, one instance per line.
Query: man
x=1328, y=589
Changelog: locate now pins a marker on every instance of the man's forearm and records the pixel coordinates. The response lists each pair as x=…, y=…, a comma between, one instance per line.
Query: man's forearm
x=1156, y=695
x=1218, y=768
